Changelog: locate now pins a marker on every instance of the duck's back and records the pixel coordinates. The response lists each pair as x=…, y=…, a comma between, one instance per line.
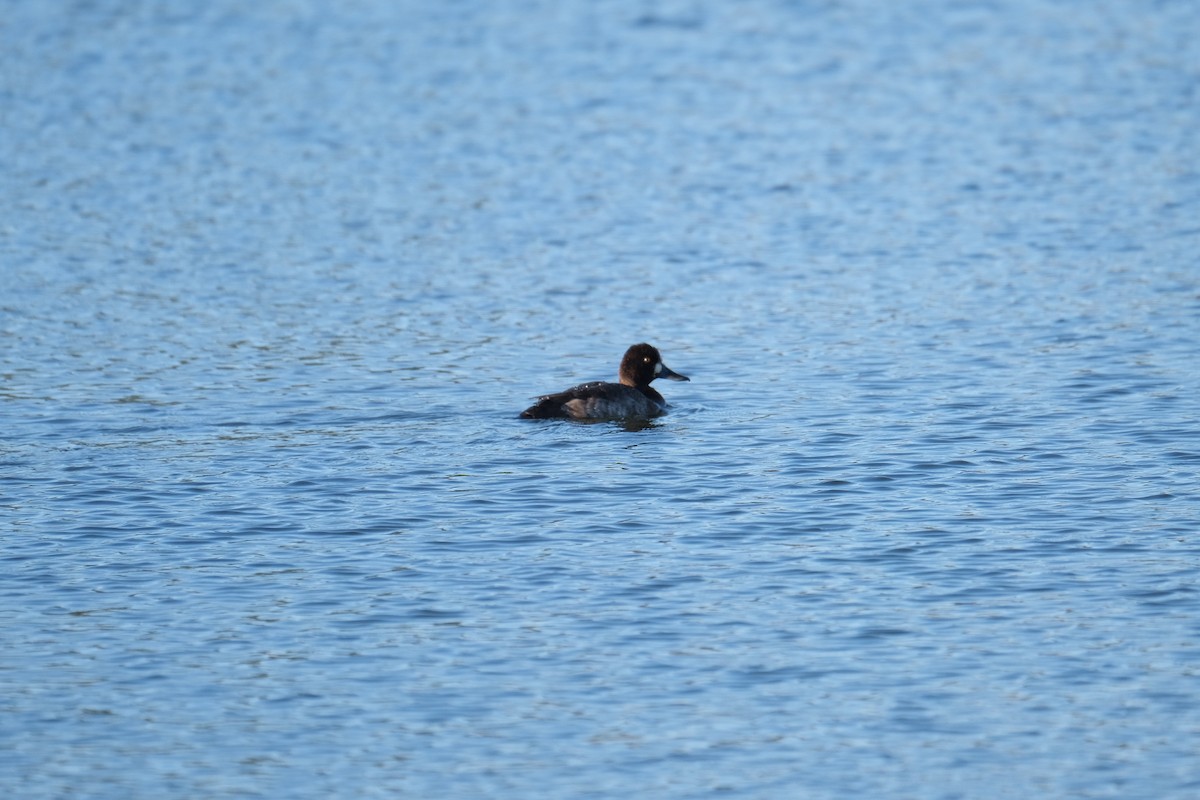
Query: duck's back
x=596, y=400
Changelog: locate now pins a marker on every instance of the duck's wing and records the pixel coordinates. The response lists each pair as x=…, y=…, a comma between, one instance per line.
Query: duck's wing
x=587, y=400
x=597, y=400
x=550, y=406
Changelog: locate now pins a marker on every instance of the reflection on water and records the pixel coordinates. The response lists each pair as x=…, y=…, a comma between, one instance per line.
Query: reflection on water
x=277, y=281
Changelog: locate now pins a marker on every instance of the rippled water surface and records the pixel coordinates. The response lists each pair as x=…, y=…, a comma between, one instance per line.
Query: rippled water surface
x=276, y=278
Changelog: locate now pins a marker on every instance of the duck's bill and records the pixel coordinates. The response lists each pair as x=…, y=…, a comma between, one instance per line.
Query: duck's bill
x=665, y=372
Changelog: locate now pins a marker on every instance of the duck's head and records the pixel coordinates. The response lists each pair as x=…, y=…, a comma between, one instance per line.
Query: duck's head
x=642, y=364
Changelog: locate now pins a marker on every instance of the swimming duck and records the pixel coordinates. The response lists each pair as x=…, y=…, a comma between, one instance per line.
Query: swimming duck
x=632, y=397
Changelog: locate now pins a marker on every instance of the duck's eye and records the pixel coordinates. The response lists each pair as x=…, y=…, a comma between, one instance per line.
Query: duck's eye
x=647, y=359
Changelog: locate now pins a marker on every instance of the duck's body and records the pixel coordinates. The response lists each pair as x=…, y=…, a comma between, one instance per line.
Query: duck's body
x=632, y=397
x=598, y=400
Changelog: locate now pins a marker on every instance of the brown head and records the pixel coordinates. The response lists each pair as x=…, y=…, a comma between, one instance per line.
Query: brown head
x=642, y=364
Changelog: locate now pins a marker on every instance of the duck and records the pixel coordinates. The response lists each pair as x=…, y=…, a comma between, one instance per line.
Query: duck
x=631, y=397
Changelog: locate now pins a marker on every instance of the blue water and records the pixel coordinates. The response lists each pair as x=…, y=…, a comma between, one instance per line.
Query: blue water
x=276, y=279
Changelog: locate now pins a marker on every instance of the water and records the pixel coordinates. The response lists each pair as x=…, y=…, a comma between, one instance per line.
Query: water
x=275, y=281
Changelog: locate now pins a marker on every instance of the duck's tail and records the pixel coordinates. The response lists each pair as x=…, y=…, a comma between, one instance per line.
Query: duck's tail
x=545, y=408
